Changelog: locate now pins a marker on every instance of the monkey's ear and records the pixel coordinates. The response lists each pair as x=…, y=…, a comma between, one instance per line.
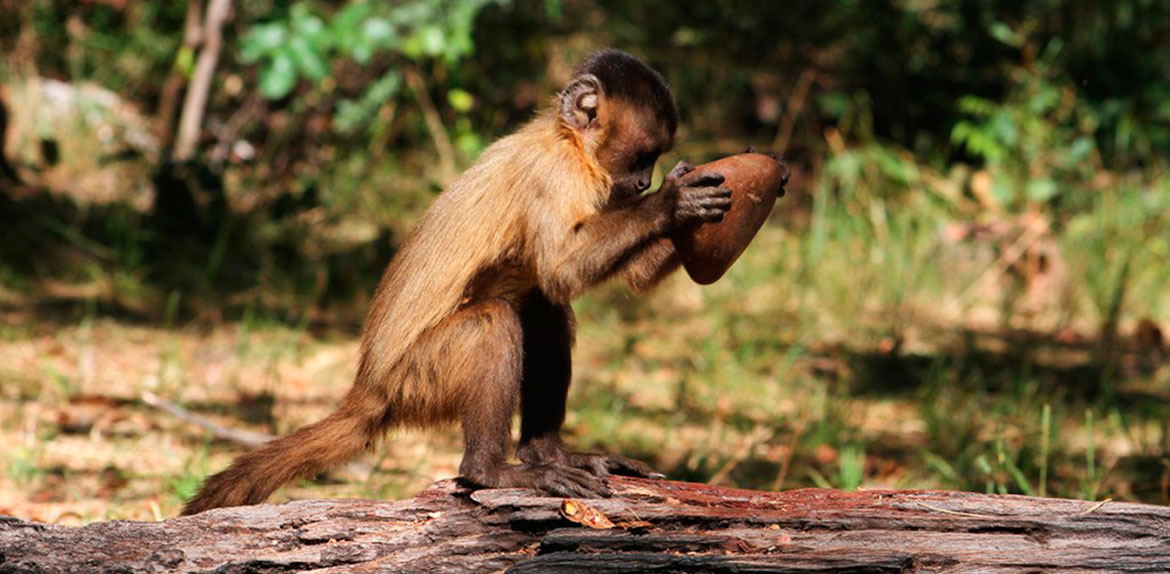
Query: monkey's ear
x=579, y=101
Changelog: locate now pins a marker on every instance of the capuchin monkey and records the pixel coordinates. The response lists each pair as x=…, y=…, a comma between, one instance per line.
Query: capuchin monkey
x=472, y=319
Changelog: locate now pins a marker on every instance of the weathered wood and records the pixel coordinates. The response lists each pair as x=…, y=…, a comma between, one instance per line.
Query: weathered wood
x=668, y=527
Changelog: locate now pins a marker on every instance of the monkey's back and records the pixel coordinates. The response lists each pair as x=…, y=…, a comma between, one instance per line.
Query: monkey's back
x=476, y=225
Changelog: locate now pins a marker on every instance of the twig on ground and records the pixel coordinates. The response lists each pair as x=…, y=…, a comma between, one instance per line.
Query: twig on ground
x=246, y=438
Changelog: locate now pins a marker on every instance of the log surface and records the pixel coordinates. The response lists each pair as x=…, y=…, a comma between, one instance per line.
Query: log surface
x=661, y=526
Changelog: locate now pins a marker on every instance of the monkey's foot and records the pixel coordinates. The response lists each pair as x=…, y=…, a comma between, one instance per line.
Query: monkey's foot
x=555, y=479
x=603, y=465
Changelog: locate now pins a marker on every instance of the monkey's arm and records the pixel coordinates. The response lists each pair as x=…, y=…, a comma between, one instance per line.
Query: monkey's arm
x=572, y=255
x=574, y=250
x=649, y=267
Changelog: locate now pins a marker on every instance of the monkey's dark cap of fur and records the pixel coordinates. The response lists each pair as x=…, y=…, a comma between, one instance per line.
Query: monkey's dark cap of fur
x=623, y=76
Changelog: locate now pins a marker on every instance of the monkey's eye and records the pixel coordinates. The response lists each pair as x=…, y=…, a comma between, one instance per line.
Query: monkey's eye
x=644, y=160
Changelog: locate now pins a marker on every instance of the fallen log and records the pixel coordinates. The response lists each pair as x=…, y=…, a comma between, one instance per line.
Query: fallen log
x=648, y=526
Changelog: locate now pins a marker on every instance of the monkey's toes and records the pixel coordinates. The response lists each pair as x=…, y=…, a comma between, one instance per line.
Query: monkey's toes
x=629, y=467
x=572, y=482
x=605, y=464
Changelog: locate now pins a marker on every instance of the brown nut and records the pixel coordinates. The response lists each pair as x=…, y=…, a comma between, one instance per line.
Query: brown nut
x=709, y=249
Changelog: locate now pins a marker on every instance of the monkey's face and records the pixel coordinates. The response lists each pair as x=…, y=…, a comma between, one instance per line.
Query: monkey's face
x=631, y=148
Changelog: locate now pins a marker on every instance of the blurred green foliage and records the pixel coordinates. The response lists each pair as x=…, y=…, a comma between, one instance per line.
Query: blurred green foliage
x=301, y=44
x=925, y=73
x=343, y=106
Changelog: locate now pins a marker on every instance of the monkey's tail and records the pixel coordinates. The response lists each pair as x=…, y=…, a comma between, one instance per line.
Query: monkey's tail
x=308, y=451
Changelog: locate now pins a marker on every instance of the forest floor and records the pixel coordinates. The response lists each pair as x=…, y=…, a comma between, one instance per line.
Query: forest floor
x=741, y=383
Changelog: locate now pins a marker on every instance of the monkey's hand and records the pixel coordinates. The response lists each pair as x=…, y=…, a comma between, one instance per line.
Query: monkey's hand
x=766, y=151
x=779, y=160
x=697, y=199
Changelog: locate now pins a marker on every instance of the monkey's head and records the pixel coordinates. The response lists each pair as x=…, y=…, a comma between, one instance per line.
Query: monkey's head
x=625, y=114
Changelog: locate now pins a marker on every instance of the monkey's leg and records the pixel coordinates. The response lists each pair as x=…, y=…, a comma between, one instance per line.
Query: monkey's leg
x=486, y=357
x=548, y=346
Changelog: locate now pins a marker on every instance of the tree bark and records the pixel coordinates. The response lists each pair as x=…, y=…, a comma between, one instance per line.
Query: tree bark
x=659, y=526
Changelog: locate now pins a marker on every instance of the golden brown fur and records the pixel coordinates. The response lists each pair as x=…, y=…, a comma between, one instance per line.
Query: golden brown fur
x=471, y=318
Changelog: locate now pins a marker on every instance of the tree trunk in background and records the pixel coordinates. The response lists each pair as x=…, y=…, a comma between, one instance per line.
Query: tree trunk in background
x=194, y=105
x=172, y=88
x=657, y=526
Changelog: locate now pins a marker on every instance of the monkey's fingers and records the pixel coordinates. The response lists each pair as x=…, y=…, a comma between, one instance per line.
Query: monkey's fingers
x=680, y=169
x=712, y=215
x=765, y=151
x=705, y=179
x=715, y=206
x=720, y=193
x=704, y=204
x=779, y=160
x=715, y=198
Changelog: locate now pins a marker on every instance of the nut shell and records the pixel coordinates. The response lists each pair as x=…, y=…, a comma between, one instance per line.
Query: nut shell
x=709, y=249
